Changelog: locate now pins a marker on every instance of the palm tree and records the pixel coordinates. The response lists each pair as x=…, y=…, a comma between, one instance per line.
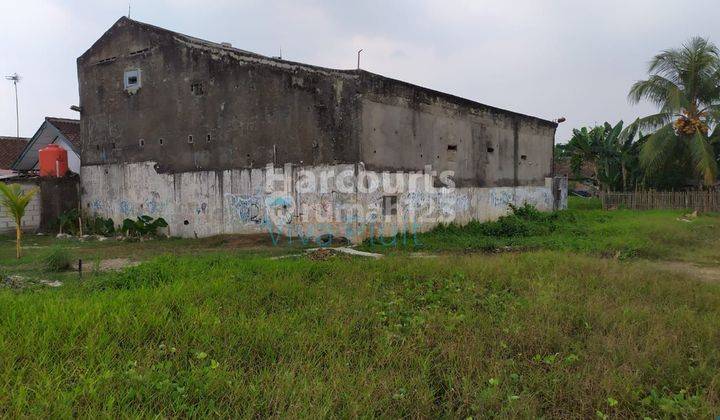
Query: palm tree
x=15, y=201
x=684, y=83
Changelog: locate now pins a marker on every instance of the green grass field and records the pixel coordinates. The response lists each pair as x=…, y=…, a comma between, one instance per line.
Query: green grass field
x=576, y=319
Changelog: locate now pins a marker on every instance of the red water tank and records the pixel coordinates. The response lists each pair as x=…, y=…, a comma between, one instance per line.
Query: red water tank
x=53, y=161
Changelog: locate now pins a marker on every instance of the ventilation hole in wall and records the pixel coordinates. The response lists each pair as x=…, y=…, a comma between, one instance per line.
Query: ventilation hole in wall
x=162, y=140
x=186, y=223
x=112, y=145
x=374, y=151
x=437, y=157
x=208, y=138
x=190, y=139
x=452, y=147
x=523, y=157
x=248, y=155
x=141, y=142
x=421, y=155
x=197, y=88
x=138, y=52
x=490, y=149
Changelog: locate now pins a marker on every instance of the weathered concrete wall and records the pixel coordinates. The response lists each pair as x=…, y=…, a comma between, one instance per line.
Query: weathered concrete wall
x=241, y=110
x=407, y=127
x=31, y=220
x=205, y=203
x=192, y=142
x=57, y=196
x=252, y=110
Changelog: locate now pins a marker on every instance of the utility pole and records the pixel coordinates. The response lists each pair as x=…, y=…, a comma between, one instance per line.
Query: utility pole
x=15, y=78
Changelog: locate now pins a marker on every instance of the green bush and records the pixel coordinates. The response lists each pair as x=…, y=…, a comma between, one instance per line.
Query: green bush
x=99, y=226
x=523, y=221
x=143, y=226
x=58, y=259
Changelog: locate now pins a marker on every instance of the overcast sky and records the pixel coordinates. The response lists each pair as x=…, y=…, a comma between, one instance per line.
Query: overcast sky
x=547, y=58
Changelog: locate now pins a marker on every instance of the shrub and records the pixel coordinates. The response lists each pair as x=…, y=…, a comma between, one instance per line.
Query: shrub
x=58, y=259
x=99, y=226
x=143, y=226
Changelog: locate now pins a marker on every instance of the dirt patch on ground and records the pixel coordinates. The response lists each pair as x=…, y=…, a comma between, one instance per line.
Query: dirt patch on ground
x=111, y=264
x=707, y=274
x=321, y=254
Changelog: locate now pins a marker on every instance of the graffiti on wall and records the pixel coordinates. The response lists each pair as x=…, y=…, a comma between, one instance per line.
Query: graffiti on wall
x=247, y=208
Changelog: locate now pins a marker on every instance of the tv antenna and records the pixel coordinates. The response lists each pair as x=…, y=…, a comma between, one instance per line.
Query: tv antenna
x=15, y=78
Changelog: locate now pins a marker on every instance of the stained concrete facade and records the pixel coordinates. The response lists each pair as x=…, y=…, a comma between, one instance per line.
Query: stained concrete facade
x=190, y=136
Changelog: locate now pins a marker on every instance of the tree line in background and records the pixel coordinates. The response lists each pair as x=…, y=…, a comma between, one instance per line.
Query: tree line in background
x=676, y=148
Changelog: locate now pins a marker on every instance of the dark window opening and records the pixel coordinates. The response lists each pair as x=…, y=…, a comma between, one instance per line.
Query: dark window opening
x=132, y=80
x=161, y=141
x=186, y=223
x=97, y=147
x=209, y=138
x=138, y=52
x=523, y=157
x=452, y=147
x=106, y=60
x=197, y=88
x=113, y=145
x=190, y=139
x=390, y=205
x=142, y=143
x=490, y=149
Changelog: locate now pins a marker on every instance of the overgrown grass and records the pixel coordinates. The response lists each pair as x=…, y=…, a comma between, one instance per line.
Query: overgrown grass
x=558, y=331
x=58, y=259
x=519, y=335
x=583, y=228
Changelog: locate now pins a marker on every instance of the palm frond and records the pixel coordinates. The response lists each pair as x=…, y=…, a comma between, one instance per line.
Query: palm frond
x=658, y=149
x=704, y=158
x=660, y=91
x=15, y=200
x=655, y=121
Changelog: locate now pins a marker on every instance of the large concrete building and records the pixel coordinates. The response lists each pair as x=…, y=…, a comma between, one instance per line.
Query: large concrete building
x=192, y=131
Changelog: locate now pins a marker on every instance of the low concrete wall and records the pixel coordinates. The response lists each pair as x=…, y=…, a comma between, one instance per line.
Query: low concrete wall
x=206, y=203
x=31, y=221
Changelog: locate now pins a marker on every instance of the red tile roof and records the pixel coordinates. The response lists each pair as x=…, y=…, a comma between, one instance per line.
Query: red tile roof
x=69, y=128
x=10, y=149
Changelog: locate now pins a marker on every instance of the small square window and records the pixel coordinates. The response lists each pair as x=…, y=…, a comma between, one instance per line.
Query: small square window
x=197, y=88
x=132, y=80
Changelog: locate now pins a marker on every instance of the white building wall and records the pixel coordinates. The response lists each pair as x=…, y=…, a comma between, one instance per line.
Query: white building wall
x=206, y=203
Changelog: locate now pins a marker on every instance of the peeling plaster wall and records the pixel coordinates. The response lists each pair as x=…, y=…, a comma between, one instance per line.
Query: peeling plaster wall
x=205, y=203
